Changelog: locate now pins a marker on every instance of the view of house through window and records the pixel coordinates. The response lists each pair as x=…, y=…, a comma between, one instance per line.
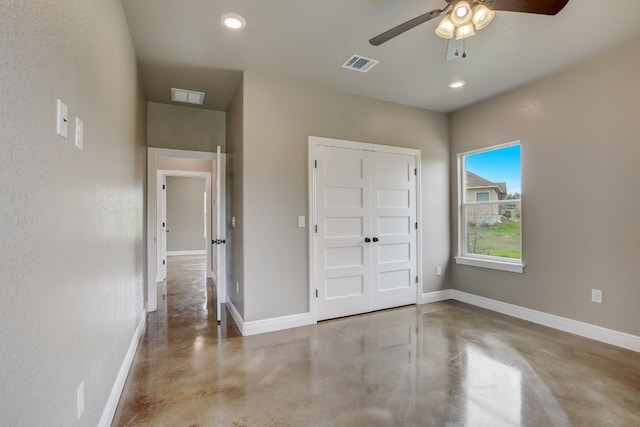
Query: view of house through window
x=490, y=219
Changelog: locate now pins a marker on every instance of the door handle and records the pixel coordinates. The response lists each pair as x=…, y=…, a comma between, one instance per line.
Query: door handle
x=375, y=239
x=367, y=240
x=213, y=242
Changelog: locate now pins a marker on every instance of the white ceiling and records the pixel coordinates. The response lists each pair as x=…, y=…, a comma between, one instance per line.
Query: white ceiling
x=182, y=44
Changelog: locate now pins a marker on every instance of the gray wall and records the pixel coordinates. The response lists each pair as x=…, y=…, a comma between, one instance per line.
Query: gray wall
x=179, y=164
x=235, y=204
x=185, y=213
x=580, y=152
x=71, y=221
x=279, y=116
x=185, y=128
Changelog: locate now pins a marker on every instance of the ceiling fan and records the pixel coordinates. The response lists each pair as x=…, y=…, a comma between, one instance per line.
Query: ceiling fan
x=463, y=17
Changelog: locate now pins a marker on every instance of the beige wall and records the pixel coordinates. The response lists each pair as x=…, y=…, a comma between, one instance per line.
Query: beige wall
x=234, y=193
x=185, y=128
x=71, y=221
x=179, y=164
x=185, y=214
x=279, y=116
x=580, y=152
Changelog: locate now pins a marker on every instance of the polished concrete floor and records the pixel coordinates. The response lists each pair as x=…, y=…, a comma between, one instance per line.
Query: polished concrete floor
x=443, y=364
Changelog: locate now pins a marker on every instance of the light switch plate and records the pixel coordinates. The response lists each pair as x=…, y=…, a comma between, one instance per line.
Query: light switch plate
x=233, y=222
x=301, y=221
x=79, y=133
x=596, y=296
x=62, y=122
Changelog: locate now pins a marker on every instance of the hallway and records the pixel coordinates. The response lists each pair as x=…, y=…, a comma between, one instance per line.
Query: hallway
x=438, y=364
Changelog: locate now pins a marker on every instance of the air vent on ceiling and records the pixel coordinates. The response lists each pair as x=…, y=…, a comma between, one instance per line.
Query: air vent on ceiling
x=359, y=63
x=187, y=96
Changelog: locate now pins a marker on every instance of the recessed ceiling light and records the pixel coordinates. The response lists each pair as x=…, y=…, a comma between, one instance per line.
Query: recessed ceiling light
x=233, y=21
x=457, y=84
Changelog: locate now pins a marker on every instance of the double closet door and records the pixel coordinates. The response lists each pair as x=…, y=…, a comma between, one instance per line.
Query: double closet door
x=365, y=244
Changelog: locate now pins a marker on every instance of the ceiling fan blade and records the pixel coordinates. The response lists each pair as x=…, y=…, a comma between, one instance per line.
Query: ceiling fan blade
x=542, y=7
x=396, y=31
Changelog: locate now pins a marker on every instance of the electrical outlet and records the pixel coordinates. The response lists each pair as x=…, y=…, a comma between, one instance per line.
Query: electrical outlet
x=237, y=287
x=80, y=397
x=596, y=295
x=439, y=271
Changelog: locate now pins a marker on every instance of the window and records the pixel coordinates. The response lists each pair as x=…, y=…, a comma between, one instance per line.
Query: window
x=482, y=196
x=490, y=218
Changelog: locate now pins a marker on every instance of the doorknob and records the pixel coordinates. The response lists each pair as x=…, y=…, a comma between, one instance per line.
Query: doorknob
x=367, y=240
x=213, y=242
x=375, y=239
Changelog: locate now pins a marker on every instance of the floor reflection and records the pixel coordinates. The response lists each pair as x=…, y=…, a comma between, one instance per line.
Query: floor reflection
x=493, y=391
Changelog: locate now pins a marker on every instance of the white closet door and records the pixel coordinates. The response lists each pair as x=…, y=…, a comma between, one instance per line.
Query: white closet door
x=393, y=219
x=342, y=209
x=366, y=242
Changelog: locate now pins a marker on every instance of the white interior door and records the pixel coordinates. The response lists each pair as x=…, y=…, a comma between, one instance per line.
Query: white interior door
x=219, y=248
x=393, y=220
x=342, y=205
x=366, y=242
x=214, y=223
x=161, y=223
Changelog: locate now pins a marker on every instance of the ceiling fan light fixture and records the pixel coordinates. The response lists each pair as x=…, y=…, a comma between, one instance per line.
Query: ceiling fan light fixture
x=461, y=13
x=482, y=16
x=465, y=31
x=446, y=28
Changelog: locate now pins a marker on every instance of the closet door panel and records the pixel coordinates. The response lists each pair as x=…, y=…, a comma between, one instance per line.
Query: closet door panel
x=393, y=218
x=342, y=209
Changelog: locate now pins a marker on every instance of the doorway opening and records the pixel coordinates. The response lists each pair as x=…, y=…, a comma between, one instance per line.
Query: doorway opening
x=184, y=206
x=166, y=164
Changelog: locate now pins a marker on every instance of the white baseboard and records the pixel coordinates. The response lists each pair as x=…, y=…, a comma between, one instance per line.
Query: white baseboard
x=183, y=253
x=255, y=327
x=236, y=315
x=276, y=324
x=609, y=336
x=116, y=391
x=436, y=296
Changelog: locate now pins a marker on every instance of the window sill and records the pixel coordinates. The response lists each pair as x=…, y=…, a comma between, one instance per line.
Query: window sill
x=514, y=267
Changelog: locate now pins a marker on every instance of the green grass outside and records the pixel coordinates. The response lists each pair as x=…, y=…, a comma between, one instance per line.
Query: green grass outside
x=501, y=239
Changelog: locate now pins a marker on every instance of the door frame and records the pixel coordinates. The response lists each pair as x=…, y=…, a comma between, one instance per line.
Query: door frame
x=153, y=154
x=316, y=141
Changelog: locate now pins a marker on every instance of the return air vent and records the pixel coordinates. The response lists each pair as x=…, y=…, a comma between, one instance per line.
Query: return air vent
x=187, y=96
x=359, y=63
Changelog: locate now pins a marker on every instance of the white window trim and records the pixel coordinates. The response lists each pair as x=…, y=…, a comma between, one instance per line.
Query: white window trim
x=476, y=260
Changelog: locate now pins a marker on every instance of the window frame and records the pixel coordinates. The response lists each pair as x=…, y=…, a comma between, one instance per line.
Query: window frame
x=479, y=260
